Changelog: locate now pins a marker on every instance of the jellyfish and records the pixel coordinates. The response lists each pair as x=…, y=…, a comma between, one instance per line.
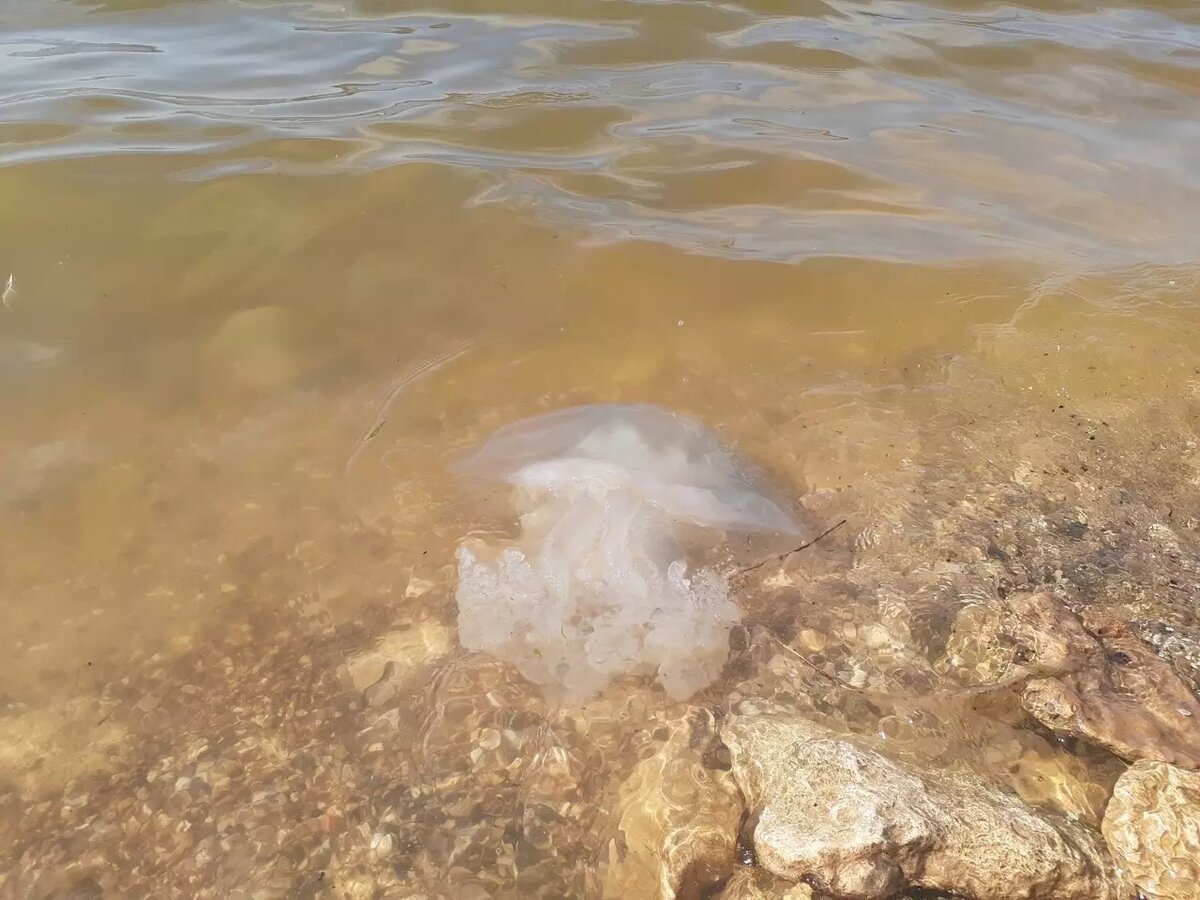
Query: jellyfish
x=597, y=584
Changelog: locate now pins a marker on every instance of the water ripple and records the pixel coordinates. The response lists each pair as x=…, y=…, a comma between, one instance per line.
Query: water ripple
x=901, y=129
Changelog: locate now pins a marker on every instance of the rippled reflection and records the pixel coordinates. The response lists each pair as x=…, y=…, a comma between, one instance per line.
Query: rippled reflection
x=883, y=128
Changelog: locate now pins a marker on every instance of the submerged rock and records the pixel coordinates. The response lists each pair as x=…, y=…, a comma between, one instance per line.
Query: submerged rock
x=1092, y=679
x=1123, y=697
x=978, y=731
x=1143, y=725
x=679, y=819
x=1026, y=634
x=1152, y=826
x=1178, y=645
x=835, y=812
x=753, y=883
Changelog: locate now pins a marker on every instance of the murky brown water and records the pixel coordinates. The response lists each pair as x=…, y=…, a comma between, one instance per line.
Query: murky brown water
x=934, y=266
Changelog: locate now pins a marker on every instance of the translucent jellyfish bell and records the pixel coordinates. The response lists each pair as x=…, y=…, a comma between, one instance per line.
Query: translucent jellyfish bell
x=667, y=459
x=597, y=585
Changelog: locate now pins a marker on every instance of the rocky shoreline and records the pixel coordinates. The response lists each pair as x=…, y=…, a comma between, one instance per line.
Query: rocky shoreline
x=788, y=782
x=985, y=683
x=838, y=815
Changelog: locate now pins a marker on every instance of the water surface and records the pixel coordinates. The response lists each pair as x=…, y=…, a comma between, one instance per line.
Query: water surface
x=932, y=266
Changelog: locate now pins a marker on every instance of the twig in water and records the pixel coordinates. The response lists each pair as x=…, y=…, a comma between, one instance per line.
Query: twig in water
x=783, y=556
x=406, y=378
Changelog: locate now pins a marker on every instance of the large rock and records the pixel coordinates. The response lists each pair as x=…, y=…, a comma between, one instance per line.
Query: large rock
x=842, y=816
x=679, y=816
x=1152, y=826
x=1086, y=705
x=1092, y=679
x=1177, y=644
x=1132, y=702
x=752, y=883
x=978, y=730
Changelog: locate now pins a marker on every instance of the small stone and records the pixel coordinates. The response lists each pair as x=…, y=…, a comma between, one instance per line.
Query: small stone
x=678, y=820
x=812, y=640
x=356, y=887
x=382, y=692
x=418, y=587
x=381, y=845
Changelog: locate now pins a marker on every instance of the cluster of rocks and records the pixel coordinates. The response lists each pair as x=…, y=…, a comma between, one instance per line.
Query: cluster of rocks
x=456, y=779
x=795, y=804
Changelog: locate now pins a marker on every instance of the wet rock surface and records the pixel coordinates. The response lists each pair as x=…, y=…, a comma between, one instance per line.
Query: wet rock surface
x=857, y=824
x=1152, y=827
x=752, y=883
x=677, y=831
x=1090, y=677
x=1121, y=696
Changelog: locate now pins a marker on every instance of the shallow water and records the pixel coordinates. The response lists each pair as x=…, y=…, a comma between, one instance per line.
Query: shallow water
x=932, y=266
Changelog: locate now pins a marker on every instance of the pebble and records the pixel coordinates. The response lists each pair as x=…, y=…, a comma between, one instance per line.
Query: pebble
x=875, y=636
x=812, y=640
x=381, y=845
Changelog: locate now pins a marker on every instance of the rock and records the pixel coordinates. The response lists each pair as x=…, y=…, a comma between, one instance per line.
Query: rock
x=1055, y=641
x=1177, y=644
x=981, y=731
x=678, y=819
x=1025, y=634
x=840, y=815
x=1152, y=827
x=1133, y=703
x=1083, y=705
x=752, y=883
x=382, y=671
x=1092, y=679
